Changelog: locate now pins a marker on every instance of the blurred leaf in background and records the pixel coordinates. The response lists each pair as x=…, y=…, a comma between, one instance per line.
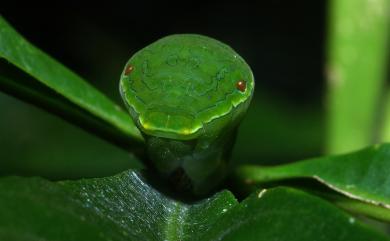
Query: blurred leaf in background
x=356, y=73
x=277, y=131
x=34, y=142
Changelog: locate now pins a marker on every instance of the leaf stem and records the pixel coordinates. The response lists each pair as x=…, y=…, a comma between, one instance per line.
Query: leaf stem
x=356, y=68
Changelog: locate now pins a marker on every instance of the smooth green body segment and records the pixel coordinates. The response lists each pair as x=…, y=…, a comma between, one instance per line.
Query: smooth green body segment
x=187, y=94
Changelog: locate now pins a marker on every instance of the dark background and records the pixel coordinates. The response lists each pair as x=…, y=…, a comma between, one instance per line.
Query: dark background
x=284, y=43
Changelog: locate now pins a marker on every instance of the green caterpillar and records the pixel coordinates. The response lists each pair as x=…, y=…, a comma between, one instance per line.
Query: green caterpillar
x=187, y=94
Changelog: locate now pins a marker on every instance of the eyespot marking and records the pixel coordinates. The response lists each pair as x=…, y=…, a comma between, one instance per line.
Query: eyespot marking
x=241, y=85
x=129, y=69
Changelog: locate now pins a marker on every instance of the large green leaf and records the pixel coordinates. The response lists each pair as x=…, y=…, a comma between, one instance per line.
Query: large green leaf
x=124, y=207
x=40, y=79
x=362, y=175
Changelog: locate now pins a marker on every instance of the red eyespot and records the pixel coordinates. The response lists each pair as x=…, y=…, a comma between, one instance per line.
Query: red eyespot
x=129, y=69
x=241, y=85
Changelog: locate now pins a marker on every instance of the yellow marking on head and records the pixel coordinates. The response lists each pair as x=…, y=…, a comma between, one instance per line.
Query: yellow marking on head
x=145, y=125
x=186, y=131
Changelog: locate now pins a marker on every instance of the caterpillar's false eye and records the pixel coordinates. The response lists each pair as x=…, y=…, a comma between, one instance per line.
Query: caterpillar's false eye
x=129, y=69
x=241, y=85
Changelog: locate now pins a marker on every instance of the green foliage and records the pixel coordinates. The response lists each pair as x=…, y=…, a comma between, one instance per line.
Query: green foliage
x=129, y=206
x=125, y=207
x=363, y=175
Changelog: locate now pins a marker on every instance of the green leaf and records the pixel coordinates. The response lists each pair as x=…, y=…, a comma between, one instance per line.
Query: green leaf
x=362, y=175
x=356, y=206
x=49, y=84
x=124, y=207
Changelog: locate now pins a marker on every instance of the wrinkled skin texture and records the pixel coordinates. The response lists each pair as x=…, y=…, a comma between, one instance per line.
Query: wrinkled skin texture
x=187, y=94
